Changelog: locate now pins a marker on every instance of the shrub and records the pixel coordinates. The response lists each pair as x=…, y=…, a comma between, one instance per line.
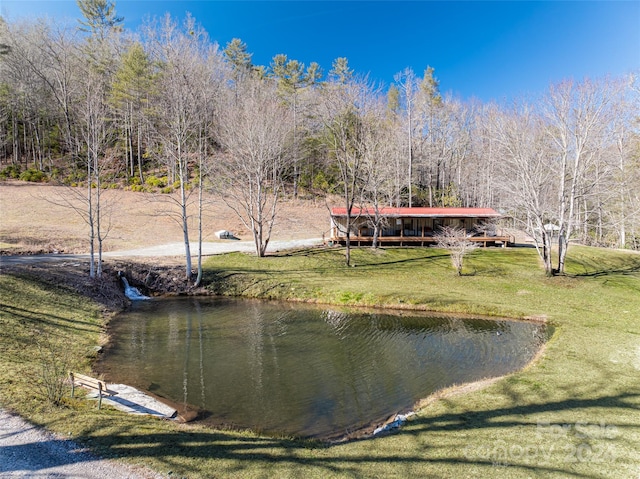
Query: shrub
x=11, y=171
x=457, y=243
x=320, y=182
x=54, y=362
x=156, y=182
x=33, y=175
x=55, y=173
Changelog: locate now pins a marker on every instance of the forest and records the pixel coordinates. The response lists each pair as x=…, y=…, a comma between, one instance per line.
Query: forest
x=164, y=109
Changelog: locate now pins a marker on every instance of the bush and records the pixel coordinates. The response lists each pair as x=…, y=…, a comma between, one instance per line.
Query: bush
x=55, y=173
x=320, y=182
x=33, y=175
x=54, y=362
x=75, y=178
x=11, y=171
x=156, y=182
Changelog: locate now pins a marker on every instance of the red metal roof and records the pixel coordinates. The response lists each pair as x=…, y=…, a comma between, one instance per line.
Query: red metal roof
x=422, y=212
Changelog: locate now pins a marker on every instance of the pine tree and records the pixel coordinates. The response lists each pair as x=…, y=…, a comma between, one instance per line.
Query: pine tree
x=292, y=78
x=236, y=53
x=99, y=17
x=132, y=84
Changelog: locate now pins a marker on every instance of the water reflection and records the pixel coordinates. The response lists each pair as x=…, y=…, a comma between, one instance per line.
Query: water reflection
x=302, y=370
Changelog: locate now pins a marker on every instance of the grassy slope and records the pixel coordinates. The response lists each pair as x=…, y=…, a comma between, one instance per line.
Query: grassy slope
x=586, y=386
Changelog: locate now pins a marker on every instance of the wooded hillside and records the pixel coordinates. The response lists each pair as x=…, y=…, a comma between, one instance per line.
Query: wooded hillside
x=164, y=109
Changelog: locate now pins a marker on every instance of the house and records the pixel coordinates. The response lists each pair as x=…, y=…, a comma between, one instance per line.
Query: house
x=415, y=226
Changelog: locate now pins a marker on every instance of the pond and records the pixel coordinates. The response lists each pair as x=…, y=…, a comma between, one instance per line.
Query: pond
x=300, y=370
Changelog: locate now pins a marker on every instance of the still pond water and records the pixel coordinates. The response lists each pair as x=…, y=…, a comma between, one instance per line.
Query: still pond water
x=305, y=371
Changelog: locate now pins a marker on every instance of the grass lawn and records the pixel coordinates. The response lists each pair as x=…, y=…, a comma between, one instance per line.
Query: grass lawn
x=574, y=413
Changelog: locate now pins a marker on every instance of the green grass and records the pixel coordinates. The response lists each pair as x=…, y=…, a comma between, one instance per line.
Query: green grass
x=42, y=326
x=574, y=413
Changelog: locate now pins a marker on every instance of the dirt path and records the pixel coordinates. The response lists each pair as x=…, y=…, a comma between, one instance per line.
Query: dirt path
x=171, y=249
x=29, y=451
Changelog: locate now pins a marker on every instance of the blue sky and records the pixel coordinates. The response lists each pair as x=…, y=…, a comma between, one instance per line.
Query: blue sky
x=495, y=50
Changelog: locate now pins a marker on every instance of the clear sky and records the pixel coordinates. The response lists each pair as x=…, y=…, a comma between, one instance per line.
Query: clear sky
x=488, y=50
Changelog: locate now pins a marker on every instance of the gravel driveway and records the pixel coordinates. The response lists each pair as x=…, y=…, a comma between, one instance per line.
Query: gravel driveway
x=171, y=249
x=29, y=451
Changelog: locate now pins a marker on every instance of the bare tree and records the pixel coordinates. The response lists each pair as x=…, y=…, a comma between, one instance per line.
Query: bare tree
x=75, y=75
x=254, y=133
x=26, y=99
x=480, y=182
x=209, y=87
x=408, y=86
x=575, y=116
x=97, y=133
x=178, y=110
x=45, y=55
x=344, y=105
x=525, y=176
x=381, y=144
x=455, y=240
x=618, y=192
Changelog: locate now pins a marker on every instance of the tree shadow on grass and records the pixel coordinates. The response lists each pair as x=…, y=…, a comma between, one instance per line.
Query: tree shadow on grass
x=490, y=418
x=35, y=318
x=329, y=266
x=207, y=453
x=608, y=272
x=592, y=268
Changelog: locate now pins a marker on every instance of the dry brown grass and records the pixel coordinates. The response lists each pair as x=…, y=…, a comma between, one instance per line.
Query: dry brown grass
x=32, y=219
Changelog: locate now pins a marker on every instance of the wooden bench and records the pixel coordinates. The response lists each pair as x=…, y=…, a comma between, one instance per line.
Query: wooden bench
x=90, y=383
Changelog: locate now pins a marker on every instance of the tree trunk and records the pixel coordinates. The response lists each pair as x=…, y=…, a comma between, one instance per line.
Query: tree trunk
x=92, y=265
x=183, y=210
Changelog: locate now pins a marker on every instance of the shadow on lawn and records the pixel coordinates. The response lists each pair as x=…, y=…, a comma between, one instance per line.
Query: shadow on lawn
x=491, y=418
x=607, y=272
x=35, y=318
x=206, y=453
x=594, y=267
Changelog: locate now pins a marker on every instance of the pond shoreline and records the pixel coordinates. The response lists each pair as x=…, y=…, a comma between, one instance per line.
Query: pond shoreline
x=372, y=428
x=367, y=432
x=167, y=285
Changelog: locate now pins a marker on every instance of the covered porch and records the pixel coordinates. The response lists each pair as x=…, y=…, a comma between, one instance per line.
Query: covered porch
x=415, y=226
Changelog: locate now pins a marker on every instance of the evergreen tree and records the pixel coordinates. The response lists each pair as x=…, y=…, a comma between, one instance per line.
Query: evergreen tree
x=393, y=100
x=99, y=17
x=236, y=53
x=292, y=78
x=430, y=86
x=132, y=84
x=340, y=71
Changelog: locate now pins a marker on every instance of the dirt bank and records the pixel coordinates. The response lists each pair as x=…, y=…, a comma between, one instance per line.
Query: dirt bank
x=151, y=278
